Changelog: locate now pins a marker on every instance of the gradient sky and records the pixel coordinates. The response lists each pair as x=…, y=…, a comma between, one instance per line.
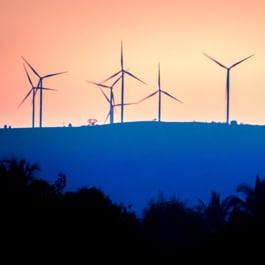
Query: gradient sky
x=83, y=37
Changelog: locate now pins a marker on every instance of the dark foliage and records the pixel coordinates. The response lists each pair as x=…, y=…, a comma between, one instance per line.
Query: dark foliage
x=40, y=219
x=42, y=223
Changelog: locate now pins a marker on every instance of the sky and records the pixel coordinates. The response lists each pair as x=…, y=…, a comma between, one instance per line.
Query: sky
x=83, y=38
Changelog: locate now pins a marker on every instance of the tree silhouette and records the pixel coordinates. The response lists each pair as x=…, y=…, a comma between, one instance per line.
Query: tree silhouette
x=254, y=202
x=171, y=225
x=217, y=212
x=53, y=221
x=246, y=225
x=16, y=175
x=86, y=221
x=60, y=183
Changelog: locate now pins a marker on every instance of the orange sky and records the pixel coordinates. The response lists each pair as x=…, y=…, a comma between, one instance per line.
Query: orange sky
x=83, y=37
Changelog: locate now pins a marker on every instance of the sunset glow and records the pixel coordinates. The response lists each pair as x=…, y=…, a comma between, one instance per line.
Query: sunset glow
x=83, y=38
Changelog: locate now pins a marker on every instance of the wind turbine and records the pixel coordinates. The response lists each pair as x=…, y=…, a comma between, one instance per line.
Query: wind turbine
x=39, y=86
x=33, y=90
x=113, y=105
x=110, y=99
x=227, y=80
x=122, y=72
x=160, y=92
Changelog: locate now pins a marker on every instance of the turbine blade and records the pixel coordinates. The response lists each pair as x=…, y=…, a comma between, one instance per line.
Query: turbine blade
x=134, y=76
x=233, y=65
x=107, y=117
x=116, y=81
x=33, y=70
x=98, y=84
x=215, y=61
x=125, y=104
x=104, y=94
x=159, y=75
x=46, y=88
x=117, y=105
x=166, y=93
x=49, y=75
x=121, y=55
x=28, y=75
x=149, y=96
x=111, y=76
x=23, y=100
x=132, y=103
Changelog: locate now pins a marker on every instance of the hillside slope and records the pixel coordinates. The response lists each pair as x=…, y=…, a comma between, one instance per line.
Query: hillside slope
x=135, y=161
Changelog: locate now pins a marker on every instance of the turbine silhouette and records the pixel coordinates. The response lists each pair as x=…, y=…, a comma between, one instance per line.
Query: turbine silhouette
x=110, y=99
x=227, y=80
x=39, y=86
x=33, y=90
x=160, y=92
x=122, y=72
x=113, y=105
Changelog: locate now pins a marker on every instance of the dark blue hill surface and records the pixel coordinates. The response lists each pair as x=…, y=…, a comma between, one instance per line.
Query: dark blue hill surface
x=135, y=161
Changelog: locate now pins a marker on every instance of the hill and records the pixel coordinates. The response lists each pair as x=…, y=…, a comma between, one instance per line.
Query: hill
x=135, y=161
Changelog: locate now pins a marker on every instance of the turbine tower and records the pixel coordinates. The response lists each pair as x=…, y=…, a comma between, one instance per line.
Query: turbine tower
x=160, y=92
x=39, y=86
x=123, y=72
x=227, y=80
